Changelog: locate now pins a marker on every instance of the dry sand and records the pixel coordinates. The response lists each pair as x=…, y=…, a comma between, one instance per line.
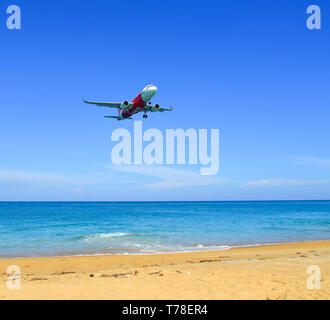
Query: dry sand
x=267, y=272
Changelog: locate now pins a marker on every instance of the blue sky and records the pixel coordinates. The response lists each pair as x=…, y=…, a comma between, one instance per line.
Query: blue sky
x=251, y=69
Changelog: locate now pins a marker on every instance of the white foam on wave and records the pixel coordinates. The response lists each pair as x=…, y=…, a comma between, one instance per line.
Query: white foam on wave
x=111, y=235
x=97, y=236
x=200, y=246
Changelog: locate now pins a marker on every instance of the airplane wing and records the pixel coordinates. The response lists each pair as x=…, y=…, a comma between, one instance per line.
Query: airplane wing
x=105, y=104
x=155, y=108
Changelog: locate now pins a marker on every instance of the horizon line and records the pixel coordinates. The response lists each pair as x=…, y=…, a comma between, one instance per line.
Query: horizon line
x=154, y=201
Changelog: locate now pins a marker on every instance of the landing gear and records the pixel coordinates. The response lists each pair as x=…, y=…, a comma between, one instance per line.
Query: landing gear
x=145, y=115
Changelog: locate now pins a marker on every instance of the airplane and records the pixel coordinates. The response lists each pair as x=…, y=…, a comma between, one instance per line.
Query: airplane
x=141, y=103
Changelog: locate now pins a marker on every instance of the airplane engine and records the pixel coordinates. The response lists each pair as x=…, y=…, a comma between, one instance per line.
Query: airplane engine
x=125, y=103
x=157, y=106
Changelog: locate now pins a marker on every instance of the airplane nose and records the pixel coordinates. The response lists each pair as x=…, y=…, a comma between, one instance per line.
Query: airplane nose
x=149, y=92
x=152, y=90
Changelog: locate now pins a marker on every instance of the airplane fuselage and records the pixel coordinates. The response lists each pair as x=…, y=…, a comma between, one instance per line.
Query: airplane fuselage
x=139, y=102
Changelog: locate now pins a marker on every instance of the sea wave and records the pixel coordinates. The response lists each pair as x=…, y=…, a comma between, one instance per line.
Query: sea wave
x=96, y=236
x=203, y=247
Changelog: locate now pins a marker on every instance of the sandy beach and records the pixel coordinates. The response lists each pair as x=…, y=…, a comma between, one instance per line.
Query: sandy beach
x=267, y=272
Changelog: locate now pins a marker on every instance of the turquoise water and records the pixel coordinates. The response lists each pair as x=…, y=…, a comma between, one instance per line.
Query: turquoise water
x=79, y=228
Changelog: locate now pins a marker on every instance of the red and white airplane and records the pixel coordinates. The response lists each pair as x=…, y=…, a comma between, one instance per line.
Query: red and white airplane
x=141, y=103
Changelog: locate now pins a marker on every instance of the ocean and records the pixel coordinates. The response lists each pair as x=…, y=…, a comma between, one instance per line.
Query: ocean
x=36, y=229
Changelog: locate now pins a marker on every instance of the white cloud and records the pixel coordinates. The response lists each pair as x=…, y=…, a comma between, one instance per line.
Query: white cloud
x=165, y=177
x=283, y=182
x=169, y=177
x=45, y=178
x=311, y=161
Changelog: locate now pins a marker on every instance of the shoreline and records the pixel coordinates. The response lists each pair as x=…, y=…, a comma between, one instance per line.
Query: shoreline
x=259, y=272
x=161, y=253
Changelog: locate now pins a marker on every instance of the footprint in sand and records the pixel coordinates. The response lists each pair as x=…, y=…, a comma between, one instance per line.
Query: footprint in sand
x=61, y=273
x=38, y=279
x=116, y=275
